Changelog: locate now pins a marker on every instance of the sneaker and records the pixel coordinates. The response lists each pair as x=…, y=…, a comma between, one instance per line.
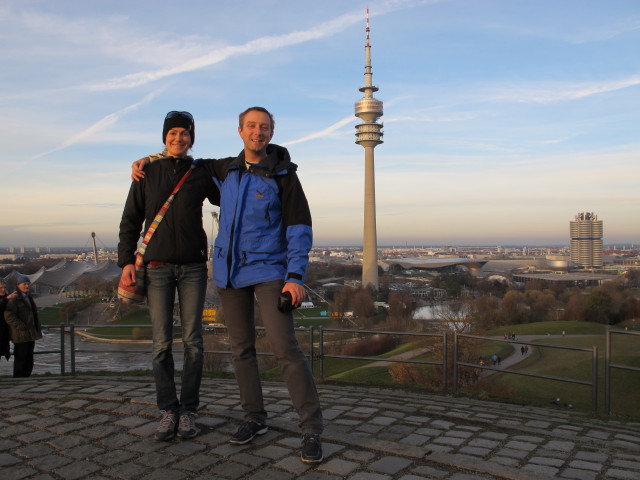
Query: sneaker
x=167, y=428
x=311, y=448
x=187, y=425
x=247, y=431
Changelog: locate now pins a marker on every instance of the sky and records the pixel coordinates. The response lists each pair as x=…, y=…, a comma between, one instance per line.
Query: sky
x=503, y=119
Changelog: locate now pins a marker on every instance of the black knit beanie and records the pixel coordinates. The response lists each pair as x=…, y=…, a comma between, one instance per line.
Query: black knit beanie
x=179, y=119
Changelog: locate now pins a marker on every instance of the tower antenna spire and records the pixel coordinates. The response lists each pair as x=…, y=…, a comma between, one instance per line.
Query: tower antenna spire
x=369, y=134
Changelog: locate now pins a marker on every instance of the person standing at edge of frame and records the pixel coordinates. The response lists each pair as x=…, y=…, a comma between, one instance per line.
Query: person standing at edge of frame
x=21, y=315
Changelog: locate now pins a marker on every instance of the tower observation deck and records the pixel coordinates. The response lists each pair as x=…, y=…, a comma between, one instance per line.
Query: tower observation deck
x=369, y=135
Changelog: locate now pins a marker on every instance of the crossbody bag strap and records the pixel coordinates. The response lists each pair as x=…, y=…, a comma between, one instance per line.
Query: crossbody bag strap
x=160, y=215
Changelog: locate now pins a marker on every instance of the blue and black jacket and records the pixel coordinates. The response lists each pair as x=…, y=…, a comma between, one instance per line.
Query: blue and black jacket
x=265, y=229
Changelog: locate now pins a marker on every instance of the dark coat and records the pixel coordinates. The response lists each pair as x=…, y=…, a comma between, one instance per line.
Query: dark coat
x=180, y=238
x=21, y=315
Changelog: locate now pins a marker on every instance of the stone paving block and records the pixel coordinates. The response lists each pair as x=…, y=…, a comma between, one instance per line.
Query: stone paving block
x=541, y=469
x=618, y=474
x=231, y=469
x=511, y=453
x=381, y=420
x=84, y=451
x=625, y=464
x=339, y=466
x=369, y=476
x=293, y=465
x=185, y=448
x=196, y=463
x=416, y=440
x=48, y=463
x=129, y=471
x=560, y=445
x=118, y=440
x=7, y=460
x=390, y=465
x=66, y=441
x=494, y=435
x=99, y=431
x=114, y=457
x=34, y=450
x=515, y=445
x=166, y=474
x=155, y=459
x=25, y=417
x=592, y=457
x=430, y=472
x=77, y=470
x=36, y=436
x=369, y=428
x=270, y=474
x=475, y=451
x=272, y=451
x=578, y=474
x=455, y=442
x=506, y=461
x=361, y=456
x=583, y=465
x=550, y=462
x=75, y=404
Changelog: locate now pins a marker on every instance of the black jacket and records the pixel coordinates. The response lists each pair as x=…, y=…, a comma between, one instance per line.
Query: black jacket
x=180, y=238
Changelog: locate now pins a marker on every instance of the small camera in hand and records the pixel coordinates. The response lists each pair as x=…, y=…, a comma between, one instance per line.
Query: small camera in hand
x=285, y=304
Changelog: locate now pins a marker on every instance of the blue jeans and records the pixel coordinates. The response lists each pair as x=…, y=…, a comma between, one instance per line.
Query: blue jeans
x=237, y=305
x=191, y=282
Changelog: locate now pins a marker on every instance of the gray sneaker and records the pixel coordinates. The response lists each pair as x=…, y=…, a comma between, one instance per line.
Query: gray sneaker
x=167, y=428
x=187, y=425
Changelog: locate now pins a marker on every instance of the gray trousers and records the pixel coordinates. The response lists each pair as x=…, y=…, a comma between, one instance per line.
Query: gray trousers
x=238, y=307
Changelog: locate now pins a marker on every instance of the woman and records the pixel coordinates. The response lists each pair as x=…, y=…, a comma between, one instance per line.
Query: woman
x=175, y=258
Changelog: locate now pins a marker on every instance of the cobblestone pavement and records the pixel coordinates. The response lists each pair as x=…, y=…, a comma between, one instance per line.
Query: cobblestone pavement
x=90, y=427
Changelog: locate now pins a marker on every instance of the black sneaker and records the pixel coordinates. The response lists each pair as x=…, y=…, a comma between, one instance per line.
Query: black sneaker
x=167, y=428
x=311, y=448
x=187, y=426
x=247, y=431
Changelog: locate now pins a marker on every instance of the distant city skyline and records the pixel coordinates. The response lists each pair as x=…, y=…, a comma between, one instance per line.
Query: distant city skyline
x=502, y=119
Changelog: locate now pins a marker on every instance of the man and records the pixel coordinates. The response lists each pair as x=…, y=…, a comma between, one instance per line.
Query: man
x=21, y=316
x=262, y=251
x=175, y=258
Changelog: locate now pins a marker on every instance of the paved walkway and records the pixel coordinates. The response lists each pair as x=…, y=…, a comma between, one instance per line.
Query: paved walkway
x=88, y=427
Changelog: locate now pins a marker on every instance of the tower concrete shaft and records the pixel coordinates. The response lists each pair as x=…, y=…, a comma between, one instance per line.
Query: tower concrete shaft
x=369, y=134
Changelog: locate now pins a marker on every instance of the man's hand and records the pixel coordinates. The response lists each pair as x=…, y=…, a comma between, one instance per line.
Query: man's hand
x=128, y=275
x=137, y=169
x=297, y=292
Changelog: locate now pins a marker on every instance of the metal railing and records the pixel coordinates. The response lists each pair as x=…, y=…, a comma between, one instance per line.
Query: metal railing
x=316, y=350
x=609, y=365
x=594, y=364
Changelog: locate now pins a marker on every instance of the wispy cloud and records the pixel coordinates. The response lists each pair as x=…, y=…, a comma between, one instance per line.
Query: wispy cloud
x=562, y=92
x=323, y=133
x=100, y=125
x=259, y=45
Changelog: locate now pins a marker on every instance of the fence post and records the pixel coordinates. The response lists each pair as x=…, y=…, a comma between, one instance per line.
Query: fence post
x=594, y=378
x=62, y=352
x=321, y=350
x=455, y=362
x=445, y=362
x=72, y=347
x=607, y=372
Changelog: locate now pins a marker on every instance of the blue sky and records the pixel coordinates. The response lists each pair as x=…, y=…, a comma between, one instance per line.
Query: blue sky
x=503, y=119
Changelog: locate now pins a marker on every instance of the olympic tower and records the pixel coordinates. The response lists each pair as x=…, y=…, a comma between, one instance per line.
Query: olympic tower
x=369, y=134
